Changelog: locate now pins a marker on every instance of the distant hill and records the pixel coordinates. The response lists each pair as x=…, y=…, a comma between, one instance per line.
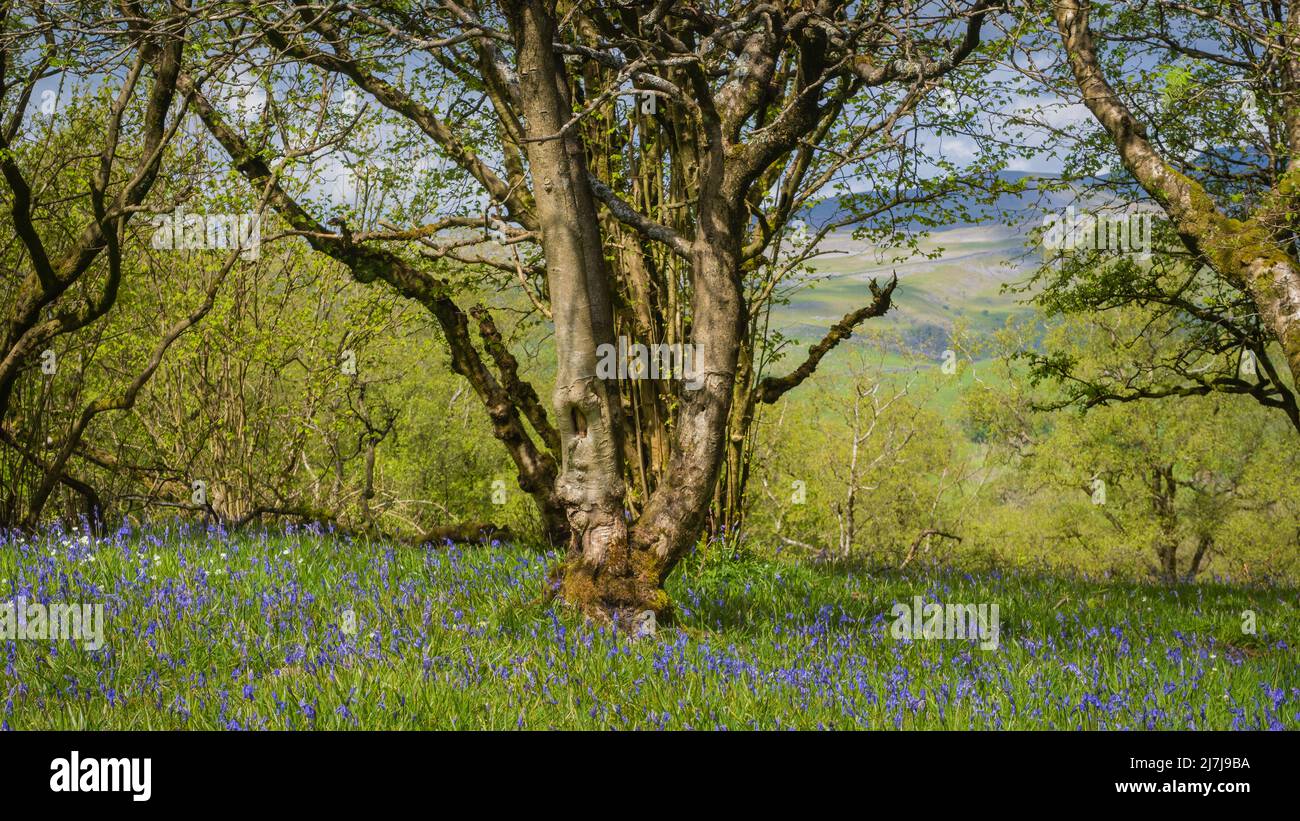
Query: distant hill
x=962, y=285
x=1019, y=208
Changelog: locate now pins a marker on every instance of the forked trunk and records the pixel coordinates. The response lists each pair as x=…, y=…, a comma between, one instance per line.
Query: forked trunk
x=609, y=572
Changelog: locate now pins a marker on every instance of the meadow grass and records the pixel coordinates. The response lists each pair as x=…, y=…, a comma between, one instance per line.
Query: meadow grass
x=254, y=632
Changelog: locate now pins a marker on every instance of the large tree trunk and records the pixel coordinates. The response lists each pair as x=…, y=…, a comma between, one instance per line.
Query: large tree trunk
x=606, y=573
x=599, y=574
x=674, y=518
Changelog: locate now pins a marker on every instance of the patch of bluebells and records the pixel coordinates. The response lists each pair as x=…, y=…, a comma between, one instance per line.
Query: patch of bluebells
x=211, y=630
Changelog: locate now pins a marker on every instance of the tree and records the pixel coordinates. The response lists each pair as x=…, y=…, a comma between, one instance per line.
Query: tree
x=657, y=222
x=870, y=469
x=69, y=209
x=1169, y=484
x=1222, y=161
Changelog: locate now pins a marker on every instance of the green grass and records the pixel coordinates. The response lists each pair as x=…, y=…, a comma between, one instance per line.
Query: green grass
x=247, y=633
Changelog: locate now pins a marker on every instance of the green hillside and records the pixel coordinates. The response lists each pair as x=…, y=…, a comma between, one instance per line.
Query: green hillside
x=963, y=285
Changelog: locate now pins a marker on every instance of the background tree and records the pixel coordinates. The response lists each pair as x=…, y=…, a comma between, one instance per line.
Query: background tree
x=78, y=165
x=1197, y=103
x=870, y=470
x=1162, y=487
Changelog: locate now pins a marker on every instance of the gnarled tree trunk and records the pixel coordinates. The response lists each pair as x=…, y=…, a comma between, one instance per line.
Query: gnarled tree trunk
x=599, y=572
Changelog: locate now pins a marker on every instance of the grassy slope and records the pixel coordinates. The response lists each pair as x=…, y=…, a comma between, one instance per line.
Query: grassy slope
x=206, y=633
x=963, y=285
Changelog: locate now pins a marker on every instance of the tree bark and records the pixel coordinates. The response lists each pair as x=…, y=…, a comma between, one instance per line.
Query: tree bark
x=600, y=573
x=673, y=519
